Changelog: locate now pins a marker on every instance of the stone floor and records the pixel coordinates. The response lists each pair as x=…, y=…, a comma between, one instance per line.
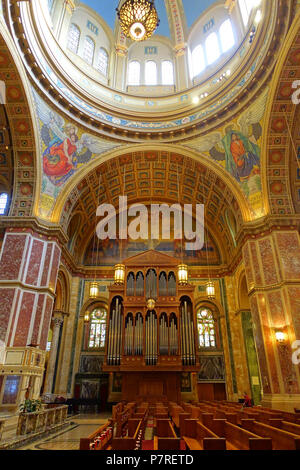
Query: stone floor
x=68, y=439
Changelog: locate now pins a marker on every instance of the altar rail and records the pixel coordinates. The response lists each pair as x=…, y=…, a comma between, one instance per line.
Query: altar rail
x=40, y=421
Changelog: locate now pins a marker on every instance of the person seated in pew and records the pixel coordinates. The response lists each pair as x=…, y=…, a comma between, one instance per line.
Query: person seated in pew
x=247, y=401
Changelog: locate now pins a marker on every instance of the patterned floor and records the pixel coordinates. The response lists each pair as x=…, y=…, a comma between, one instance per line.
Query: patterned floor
x=68, y=439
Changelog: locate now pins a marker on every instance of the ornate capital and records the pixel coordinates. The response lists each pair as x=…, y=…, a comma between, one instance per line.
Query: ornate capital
x=57, y=322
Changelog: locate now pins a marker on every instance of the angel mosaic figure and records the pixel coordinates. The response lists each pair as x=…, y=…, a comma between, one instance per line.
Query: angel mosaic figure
x=64, y=149
x=242, y=156
x=59, y=158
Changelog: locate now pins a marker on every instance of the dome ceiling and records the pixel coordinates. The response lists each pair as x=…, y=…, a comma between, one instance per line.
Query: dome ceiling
x=192, y=8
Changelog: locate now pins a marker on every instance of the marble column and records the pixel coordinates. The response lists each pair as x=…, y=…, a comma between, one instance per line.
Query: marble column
x=29, y=263
x=272, y=262
x=57, y=322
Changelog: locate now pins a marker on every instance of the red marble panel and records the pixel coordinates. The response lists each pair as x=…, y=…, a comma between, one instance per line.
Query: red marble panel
x=13, y=314
x=12, y=255
x=289, y=251
x=294, y=299
x=44, y=280
x=284, y=351
x=268, y=262
x=34, y=263
x=37, y=321
x=26, y=308
x=48, y=306
x=54, y=268
x=259, y=341
x=247, y=263
x=268, y=335
x=6, y=301
x=255, y=264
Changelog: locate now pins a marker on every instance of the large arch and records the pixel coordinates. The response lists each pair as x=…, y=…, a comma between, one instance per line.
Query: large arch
x=19, y=110
x=279, y=121
x=153, y=176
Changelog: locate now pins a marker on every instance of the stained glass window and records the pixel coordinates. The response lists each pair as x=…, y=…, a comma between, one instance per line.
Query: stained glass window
x=102, y=61
x=97, y=328
x=206, y=328
x=73, y=38
x=88, y=50
x=3, y=203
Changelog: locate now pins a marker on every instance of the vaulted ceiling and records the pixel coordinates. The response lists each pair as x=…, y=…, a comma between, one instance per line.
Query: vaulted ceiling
x=153, y=177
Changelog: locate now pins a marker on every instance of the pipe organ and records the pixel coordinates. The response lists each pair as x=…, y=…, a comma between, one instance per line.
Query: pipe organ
x=162, y=338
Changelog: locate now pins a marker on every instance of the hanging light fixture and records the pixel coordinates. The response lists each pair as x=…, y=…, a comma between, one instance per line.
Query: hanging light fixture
x=138, y=19
x=94, y=290
x=119, y=274
x=210, y=290
x=151, y=304
x=182, y=274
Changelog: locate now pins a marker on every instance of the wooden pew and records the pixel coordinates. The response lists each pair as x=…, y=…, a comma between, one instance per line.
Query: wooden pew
x=282, y=440
x=88, y=443
x=285, y=426
x=164, y=428
x=237, y=438
x=165, y=438
x=129, y=442
x=198, y=437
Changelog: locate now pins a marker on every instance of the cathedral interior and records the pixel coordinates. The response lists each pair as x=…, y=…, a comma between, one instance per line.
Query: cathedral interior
x=195, y=106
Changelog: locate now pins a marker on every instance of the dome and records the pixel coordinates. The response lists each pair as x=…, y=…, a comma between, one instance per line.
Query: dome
x=176, y=79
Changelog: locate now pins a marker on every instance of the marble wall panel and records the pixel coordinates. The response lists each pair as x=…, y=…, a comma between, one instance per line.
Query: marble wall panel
x=268, y=262
x=256, y=265
x=284, y=351
x=44, y=280
x=34, y=263
x=37, y=320
x=12, y=255
x=46, y=322
x=268, y=336
x=289, y=252
x=259, y=341
x=6, y=301
x=54, y=267
x=22, y=330
x=248, y=269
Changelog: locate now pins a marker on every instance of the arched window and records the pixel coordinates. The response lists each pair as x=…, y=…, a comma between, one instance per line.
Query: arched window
x=151, y=73
x=226, y=36
x=246, y=8
x=212, y=48
x=134, y=73
x=3, y=203
x=73, y=38
x=97, y=328
x=198, y=60
x=167, y=71
x=206, y=328
x=102, y=64
x=88, y=50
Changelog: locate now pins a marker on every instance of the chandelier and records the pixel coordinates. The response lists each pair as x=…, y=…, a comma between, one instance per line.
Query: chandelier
x=138, y=19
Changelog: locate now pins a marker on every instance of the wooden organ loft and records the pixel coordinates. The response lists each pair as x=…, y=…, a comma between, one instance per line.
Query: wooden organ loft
x=151, y=345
